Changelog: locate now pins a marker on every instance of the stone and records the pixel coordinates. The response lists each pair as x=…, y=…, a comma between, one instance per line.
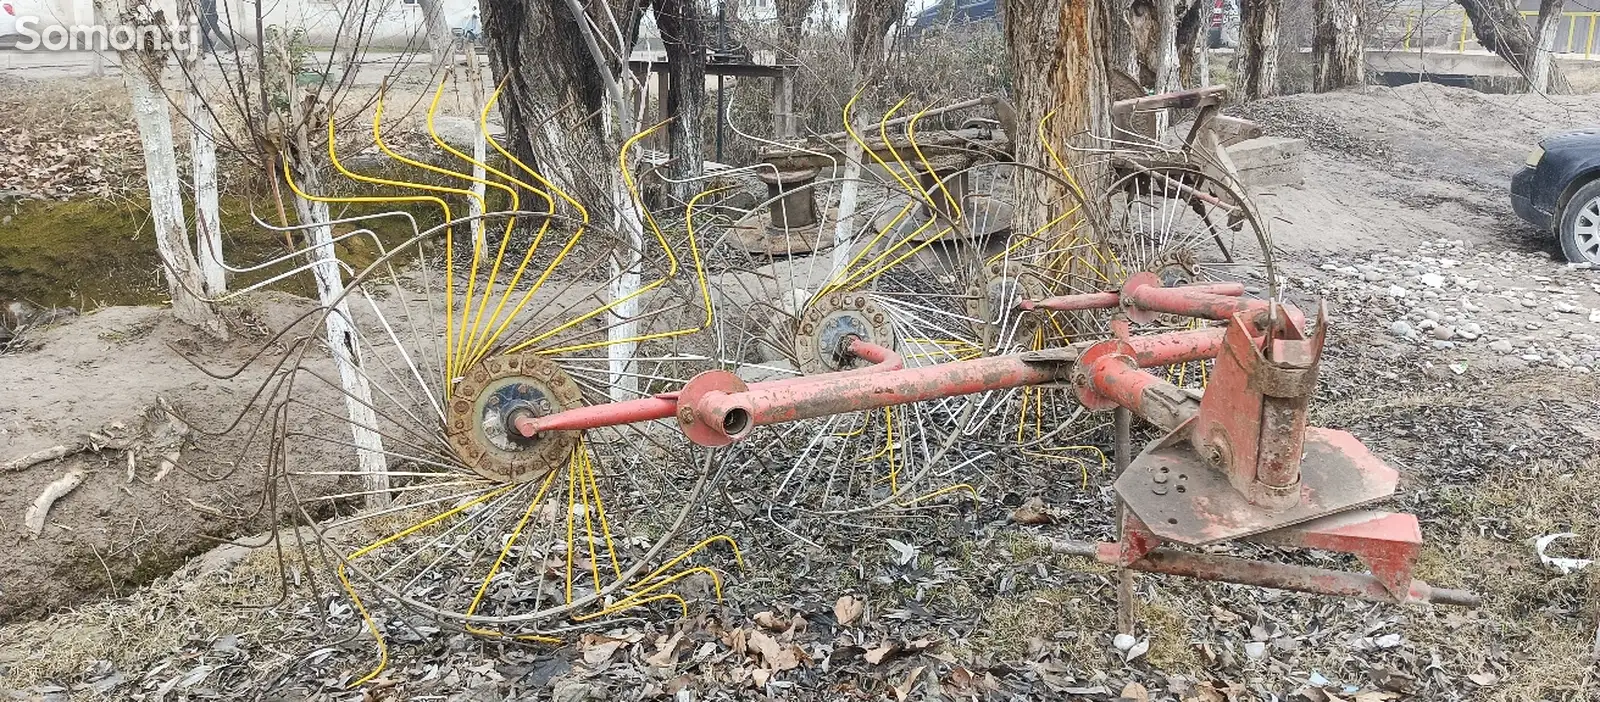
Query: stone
x=1435, y=316
x=1581, y=370
x=1443, y=333
x=1444, y=345
x=1255, y=649
x=1268, y=160
x=1470, y=331
x=1402, y=329
x=1594, y=316
x=1397, y=291
x=1532, y=326
x=1501, y=346
x=1531, y=357
x=1529, y=303
x=1427, y=324
x=1432, y=280
x=1552, y=317
x=1469, y=307
x=1563, y=362
x=1565, y=307
x=1431, y=295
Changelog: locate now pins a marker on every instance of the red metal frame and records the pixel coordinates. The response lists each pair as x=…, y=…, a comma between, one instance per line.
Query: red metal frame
x=1237, y=462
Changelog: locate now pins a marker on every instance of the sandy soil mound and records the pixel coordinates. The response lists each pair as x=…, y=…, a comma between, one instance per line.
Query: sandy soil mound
x=155, y=489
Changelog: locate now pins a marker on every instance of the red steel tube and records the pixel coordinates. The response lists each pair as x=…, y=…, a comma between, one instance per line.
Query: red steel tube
x=882, y=384
x=1122, y=382
x=833, y=394
x=1177, y=347
x=666, y=405
x=1074, y=303
x=881, y=358
x=1281, y=576
x=1191, y=303
x=607, y=415
x=1110, y=300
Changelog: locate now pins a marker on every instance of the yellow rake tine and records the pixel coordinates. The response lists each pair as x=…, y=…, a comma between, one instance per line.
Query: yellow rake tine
x=605, y=526
x=453, y=364
x=511, y=541
x=639, y=598
x=355, y=598
x=942, y=492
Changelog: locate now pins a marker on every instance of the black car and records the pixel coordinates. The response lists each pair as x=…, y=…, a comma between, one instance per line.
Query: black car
x=1559, y=189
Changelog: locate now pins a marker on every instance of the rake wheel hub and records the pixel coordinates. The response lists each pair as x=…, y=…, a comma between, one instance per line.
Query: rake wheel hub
x=828, y=323
x=481, y=408
x=993, y=297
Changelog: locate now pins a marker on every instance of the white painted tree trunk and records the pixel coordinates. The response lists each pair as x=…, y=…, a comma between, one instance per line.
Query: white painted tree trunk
x=626, y=276
x=480, y=144
x=440, y=40
x=844, y=228
x=1545, y=46
x=343, y=342
x=207, y=214
x=154, y=120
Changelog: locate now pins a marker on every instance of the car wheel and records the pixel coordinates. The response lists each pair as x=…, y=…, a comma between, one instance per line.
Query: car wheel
x=1580, y=225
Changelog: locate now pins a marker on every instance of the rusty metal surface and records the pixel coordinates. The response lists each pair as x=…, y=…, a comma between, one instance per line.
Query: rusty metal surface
x=1282, y=576
x=837, y=394
x=703, y=428
x=822, y=332
x=1183, y=499
x=1387, y=542
x=485, y=410
x=1144, y=300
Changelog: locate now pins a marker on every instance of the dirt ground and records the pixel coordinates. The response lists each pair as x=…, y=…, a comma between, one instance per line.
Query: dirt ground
x=1461, y=352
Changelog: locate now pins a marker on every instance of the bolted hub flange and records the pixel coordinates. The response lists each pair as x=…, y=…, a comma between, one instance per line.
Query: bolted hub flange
x=482, y=407
x=823, y=330
x=992, y=299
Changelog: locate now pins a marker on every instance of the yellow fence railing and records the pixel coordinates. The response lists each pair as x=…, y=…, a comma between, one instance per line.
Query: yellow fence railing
x=1578, y=25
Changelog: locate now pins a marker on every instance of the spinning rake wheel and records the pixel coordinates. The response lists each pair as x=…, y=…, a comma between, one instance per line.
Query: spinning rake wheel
x=929, y=267
x=441, y=345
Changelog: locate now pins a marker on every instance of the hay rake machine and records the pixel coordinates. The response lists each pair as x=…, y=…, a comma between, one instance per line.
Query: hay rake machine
x=541, y=404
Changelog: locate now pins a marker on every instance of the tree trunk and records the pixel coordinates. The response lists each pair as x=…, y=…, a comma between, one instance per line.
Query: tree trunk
x=441, y=41
x=565, y=114
x=1119, y=47
x=1152, y=35
x=154, y=121
x=480, y=146
x=554, y=102
x=1191, y=42
x=1498, y=26
x=869, y=21
x=1258, y=47
x=1165, y=55
x=792, y=16
x=207, y=215
x=1543, y=58
x=343, y=342
x=1059, y=70
x=1338, y=45
x=683, y=31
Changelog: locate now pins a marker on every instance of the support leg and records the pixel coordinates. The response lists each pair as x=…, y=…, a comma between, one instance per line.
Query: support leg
x=1126, y=612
